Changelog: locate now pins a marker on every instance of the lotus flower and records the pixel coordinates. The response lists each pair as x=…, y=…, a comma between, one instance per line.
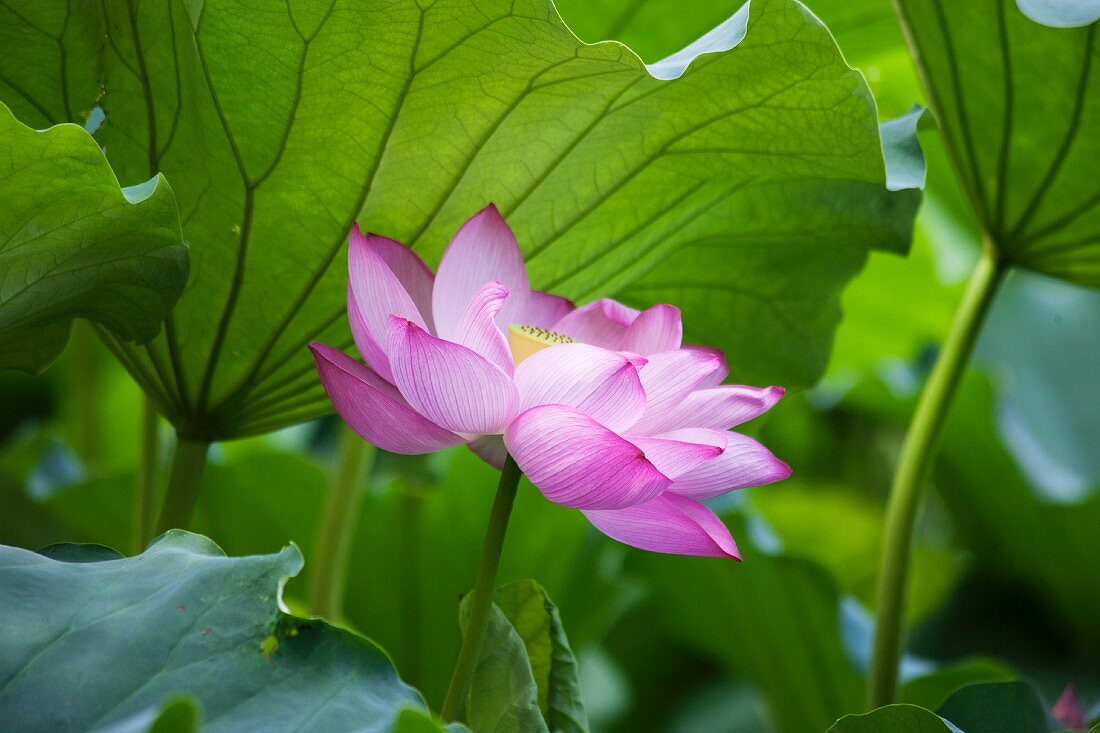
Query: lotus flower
x=600, y=406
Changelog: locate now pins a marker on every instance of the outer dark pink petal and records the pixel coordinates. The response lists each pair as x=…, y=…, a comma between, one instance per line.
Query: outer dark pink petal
x=657, y=329
x=374, y=408
x=576, y=462
x=545, y=310
x=716, y=408
x=374, y=294
x=601, y=323
x=451, y=385
x=484, y=249
x=674, y=457
x=670, y=524
x=668, y=378
x=478, y=329
x=414, y=275
x=490, y=448
x=743, y=463
x=602, y=384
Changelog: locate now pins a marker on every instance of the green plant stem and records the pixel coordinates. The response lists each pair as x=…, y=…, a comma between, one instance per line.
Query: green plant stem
x=145, y=496
x=483, y=591
x=183, y=484
x=412, y=505
x=337, y=529
x=912, y=472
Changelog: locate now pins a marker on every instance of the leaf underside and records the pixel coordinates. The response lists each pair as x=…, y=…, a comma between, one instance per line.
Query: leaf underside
x=73, y=244
x=748, y=191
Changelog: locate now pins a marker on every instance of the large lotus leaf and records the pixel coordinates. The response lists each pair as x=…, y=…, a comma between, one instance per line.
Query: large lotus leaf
x=415, y=552
x=894, y=719
x=1016, y=102
x=998, y=706
x=754, y=183
x=73, y=244
x=179, y=618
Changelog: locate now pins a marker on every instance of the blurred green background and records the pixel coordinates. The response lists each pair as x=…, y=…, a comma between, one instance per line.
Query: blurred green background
x=1006, y=580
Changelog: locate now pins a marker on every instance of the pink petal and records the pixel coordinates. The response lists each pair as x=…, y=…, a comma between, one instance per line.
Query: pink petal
x=449, y=384
x=1068, y=711
x=576, y=462
x=719, y=374
x=668, y=378
x=716, y=408
x=490, y=448
x=601, y=323
x=674, y=457
x=414, y=275
x=484, y=249
x=545, y=310
x=374, y=294
x=602, y=384
x=743, y=463
x=669, y=524
x=657, y=329
x=479, y=331
x=374, y=408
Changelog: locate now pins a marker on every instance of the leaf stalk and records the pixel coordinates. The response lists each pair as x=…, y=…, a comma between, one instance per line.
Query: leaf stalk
x=912, y=472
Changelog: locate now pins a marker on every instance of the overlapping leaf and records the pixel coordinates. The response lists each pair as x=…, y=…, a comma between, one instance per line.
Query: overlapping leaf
x=1016, y=101
x=75, y=245
x=764, y=159
x=526, y=678
x=179, y=618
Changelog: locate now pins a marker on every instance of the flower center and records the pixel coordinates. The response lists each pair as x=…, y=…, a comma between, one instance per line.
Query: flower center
x=527, y=340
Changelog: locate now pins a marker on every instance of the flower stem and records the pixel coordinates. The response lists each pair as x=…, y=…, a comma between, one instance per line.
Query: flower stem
x=328, y=578
x=183, y=484
x=145, y=496
x=483, y=591
x=912, y=472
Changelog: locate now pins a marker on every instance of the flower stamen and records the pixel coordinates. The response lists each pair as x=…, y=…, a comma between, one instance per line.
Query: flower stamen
x=527, y=340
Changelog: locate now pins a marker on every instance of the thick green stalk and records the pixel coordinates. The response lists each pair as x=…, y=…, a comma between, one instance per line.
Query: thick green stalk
x=183, y=484
x=912, y=473
x=328, y=578
x=410, y=527
x=483, y=591
x=145, y=496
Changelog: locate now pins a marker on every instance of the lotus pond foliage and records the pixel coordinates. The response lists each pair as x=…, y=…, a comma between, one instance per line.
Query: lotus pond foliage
x=773, y=324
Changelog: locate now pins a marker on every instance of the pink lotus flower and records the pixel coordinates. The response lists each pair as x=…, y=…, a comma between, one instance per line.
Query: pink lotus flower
x=600, y=406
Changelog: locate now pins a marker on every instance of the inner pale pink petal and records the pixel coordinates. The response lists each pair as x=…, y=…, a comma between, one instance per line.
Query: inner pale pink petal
x=719, y=374
x=484, y=249
x=674, y=457
x=490, y=448
x=600, y=323
x=602, y=384
x=375, y=293
x=410, y=270
x=657, y=329
x=576, y=462
x=374, y=408
x=450, y=384
x=670, y=524
x=372, y=351
x=668, y=378
x=743, y=463
x=478, y=329
x=545, y=310
x=717, y=408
